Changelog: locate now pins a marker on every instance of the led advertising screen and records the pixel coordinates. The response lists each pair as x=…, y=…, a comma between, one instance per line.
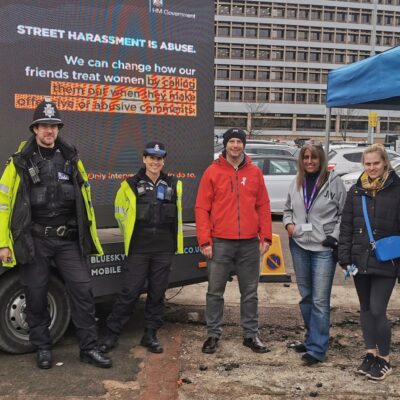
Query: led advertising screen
x=122, y=73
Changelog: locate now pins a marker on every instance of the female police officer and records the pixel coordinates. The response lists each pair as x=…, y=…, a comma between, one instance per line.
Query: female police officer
x=148, y=208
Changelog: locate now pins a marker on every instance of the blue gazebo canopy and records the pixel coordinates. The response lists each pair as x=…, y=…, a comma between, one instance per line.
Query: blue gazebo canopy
x=373, y=83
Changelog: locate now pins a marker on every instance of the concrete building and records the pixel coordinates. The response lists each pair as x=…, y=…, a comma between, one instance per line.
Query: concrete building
x=272, y=59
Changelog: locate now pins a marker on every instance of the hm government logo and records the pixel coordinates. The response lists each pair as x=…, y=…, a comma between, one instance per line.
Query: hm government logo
x=159, y=7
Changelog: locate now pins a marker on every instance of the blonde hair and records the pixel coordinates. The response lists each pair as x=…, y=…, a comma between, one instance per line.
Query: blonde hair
x=380, y=149
x=316, y=151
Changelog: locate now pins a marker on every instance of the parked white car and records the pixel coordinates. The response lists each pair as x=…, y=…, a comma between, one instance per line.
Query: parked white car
x=350, y=179
x=346, y=160
x=279, y=172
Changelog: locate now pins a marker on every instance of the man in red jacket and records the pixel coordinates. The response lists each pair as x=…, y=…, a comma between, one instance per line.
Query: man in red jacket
x=233, y=221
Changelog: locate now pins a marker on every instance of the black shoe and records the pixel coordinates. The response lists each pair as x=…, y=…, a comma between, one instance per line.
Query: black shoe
x=380, y=369
x=255, y=344
x=95, y=357
x=210, y=345
x=44, y=359
x=365, y=367
x=309, y=360
x=150, y=341
x=109, y=342
x=300, y=348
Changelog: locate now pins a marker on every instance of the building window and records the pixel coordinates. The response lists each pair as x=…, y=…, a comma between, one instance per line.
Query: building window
x=237, y=31
x=250, y=74
x=265, y=32
x=236, y=95
x=276, y=75
x=301, y=97
x=224, y=10
x=290, y=55
x=276, y=97
x=265, y=11
x=263, y=75
x=237, y=53
x=223, y=52
x=277, y=55
x=251, y=32
x=238, y=10
x=313, y=97
x=251, y=54
x=262, y=95
x=223, y=30
x=303, y=35
x=263, y=54
x=250, y=96
x=222, y=73
x=222, y=93
x=251, y=10
x=236, y=74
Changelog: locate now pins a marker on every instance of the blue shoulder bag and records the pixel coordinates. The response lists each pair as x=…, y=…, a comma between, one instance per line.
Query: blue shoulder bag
x=385, y=249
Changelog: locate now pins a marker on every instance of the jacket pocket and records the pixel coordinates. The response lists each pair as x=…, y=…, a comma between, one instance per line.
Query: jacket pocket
x=67, y=192
x=143, y=212
x=329, y=228
x=168, y=213
x=297, y=231
x=38, y=195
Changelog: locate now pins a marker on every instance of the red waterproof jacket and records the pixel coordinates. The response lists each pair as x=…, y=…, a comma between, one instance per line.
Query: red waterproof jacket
x=232, y=204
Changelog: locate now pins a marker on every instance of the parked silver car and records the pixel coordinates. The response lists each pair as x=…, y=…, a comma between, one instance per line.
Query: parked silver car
x=279, y=172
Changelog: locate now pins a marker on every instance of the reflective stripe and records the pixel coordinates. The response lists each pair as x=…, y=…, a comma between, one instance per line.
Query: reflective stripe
x=119, y=210
x=4, y=188
x=3, y=207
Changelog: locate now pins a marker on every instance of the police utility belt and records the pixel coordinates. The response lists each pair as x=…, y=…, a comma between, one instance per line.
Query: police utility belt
x=55, y=232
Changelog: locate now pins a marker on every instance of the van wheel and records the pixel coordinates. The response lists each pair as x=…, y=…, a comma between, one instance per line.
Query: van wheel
x=14, y=330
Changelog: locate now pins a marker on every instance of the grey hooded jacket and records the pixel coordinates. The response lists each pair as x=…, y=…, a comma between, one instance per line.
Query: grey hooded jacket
x=324, y=215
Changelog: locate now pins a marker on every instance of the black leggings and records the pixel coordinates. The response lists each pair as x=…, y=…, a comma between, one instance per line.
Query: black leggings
x=374, y=293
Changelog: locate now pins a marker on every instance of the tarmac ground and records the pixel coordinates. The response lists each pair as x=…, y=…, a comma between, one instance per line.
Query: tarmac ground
x=234, y=372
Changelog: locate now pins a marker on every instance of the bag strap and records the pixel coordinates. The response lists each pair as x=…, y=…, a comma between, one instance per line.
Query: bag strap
x=367, y=223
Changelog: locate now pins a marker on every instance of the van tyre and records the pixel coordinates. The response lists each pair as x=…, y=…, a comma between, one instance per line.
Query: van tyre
x=14, y=331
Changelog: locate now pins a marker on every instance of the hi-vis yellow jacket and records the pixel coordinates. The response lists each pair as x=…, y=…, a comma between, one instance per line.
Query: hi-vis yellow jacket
x=15, y=214
x=125, y=214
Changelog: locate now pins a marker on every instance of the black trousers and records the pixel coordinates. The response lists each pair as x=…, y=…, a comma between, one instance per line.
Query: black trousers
x=374, y=294
x=139, y=267
x=74, y=270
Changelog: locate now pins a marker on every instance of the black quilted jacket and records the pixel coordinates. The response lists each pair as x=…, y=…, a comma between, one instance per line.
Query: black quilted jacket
x=384, y=216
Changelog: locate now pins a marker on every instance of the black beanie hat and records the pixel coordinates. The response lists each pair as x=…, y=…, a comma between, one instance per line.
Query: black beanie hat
x=234, y=133
x=46, y=113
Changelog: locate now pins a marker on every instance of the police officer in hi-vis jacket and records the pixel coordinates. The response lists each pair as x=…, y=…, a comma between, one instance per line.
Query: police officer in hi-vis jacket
x=46, y=215
x=148, y=208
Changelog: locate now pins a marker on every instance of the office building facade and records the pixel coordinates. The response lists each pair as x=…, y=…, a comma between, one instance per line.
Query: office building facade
x=272, y=59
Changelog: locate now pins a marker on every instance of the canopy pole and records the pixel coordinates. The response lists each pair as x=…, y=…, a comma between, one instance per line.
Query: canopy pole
x=327, y=129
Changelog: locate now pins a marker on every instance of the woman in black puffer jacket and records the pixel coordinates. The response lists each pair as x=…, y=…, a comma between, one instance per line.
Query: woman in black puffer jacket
x=375, y=280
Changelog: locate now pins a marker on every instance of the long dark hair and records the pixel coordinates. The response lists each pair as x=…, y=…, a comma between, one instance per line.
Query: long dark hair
x=316, y=151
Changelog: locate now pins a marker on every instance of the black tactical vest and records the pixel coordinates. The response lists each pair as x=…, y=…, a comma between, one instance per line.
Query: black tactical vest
x=52, y=193
x=155, y=205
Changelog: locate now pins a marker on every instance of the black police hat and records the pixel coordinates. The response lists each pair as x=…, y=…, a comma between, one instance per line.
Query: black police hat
x=46, y=113
x=234, y=133
x=156, y=149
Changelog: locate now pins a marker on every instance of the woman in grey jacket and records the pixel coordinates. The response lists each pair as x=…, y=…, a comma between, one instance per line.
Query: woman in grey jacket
x=312, y=217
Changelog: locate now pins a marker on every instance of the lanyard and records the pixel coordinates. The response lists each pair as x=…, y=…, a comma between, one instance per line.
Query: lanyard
x=308, y=201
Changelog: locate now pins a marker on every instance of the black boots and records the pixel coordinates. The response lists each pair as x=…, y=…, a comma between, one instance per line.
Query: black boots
x=109, y=342
x=44, y=359
x=150, y=341
x=95, y=357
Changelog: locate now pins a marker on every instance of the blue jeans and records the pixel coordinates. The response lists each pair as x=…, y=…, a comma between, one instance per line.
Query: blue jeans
x=314, y=273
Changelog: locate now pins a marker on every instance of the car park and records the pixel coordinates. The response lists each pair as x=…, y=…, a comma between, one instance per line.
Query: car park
x=278, y=171
x=350, y=179
x=262, y=147
x=346, y=160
